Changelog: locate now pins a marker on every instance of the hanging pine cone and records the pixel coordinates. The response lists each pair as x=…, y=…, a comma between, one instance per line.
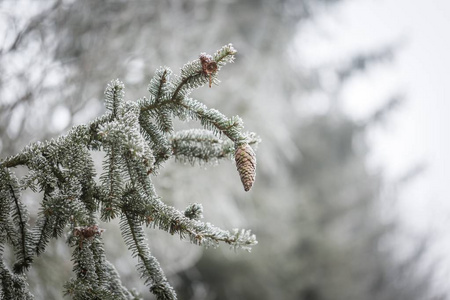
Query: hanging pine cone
x=246, y=165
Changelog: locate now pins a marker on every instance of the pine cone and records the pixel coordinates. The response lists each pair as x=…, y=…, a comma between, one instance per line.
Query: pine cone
x=209, y=66
x=246, y=165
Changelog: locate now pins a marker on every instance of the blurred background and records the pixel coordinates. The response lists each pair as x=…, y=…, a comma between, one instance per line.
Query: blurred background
x=349, y=98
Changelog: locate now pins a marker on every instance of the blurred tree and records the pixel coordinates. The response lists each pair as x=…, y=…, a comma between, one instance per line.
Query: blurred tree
x=315, y=204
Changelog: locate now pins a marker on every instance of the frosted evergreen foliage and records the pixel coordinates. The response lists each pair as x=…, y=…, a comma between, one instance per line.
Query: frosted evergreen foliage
x=137, y=138
x=194, y=211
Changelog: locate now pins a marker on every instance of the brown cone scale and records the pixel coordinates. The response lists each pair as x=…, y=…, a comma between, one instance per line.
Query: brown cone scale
x=209, y=66
x=246, y=165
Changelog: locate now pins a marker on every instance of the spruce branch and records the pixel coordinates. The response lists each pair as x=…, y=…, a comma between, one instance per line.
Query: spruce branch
x=160, y=85
x=42, y=232
x=8, y=230
x=112, y=183
x=157, y=214
x=193, y=76
x=13, y=286
x=114, y=95
x=158, y=141
x=95, y=277
x=197, y=145
x=114, y=284
x=148, y=266
x=137, y=138
x=200, y=233
x=47, y=225
x=19, y=216
x=213, y=120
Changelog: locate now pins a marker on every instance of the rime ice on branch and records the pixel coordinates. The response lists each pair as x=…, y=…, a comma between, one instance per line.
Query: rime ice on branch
x=137, y=137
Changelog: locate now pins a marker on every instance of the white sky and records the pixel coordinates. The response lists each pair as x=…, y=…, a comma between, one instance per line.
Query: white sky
x=418, y=131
